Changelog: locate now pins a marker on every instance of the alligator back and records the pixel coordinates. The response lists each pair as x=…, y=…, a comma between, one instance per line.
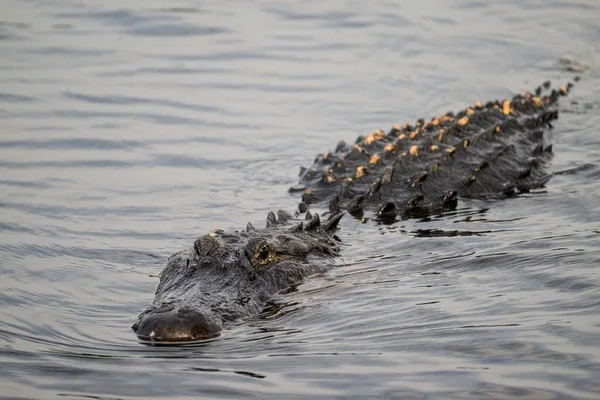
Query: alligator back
x=487, y=150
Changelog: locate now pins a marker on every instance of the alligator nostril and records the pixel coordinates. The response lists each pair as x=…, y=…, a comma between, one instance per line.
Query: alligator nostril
x=170, y=324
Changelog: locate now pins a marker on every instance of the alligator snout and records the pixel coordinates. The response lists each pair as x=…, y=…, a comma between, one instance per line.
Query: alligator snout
x=176, y=324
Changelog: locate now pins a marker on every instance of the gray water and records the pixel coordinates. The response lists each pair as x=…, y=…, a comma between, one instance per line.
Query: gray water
x=128, y=129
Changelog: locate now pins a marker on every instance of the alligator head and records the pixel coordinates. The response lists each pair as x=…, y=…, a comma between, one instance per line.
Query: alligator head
x=228, y=276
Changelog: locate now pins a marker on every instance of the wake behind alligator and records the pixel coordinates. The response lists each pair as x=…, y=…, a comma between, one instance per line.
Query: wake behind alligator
x=491, y=150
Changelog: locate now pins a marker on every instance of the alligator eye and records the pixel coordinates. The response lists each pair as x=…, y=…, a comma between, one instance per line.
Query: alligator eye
x=263, y=253
x=206, y=262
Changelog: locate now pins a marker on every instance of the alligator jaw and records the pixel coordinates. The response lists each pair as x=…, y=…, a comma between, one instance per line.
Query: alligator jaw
x=176, y=325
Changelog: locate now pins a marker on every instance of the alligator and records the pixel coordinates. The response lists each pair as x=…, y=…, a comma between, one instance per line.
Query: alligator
x=492, y=150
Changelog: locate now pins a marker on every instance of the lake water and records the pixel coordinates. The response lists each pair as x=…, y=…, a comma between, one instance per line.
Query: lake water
x=128, y=129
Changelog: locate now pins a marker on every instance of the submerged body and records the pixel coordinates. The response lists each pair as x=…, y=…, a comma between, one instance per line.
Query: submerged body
x=488, y=150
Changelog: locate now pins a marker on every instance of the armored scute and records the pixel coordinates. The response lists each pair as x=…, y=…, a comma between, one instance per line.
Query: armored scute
x=488, y=150
x=496, y=149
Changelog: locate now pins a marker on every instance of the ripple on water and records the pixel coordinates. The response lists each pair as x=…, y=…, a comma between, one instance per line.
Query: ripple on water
x=129, y=129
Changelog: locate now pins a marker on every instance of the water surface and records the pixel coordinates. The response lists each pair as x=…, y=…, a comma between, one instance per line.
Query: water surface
x=128, y=129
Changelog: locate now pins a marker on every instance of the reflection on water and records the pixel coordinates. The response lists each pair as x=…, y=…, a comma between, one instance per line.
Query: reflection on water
x=130, y=128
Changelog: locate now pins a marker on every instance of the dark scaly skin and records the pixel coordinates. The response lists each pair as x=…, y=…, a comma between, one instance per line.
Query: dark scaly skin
x=489, y=150
x=228, y=276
